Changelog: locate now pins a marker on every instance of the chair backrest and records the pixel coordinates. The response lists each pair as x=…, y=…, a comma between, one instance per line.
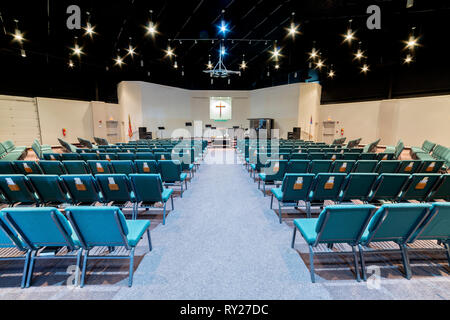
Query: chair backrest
x=343, y=166
x=430, y=166
x=108, y=156
x=54, y=229
x=397, y=222
x=7, y=167
x=126, y=156
x=327, y=186
x=350, y=156
x=333, y=156
x=275, y=170
x=82, y=188
x=409, y=166
x=76, y=167
x=8, y=145
x=399, y=149
x=442, y=189
x=316, y=156
x=17, y=189
x=27, y=167
x=147, y=187
x=365, y=166
x=343, y=223
x=145, y=156
x=163, y=156
x=388, y=166
x=52, y=156
x=170, y=170
x=146, y=167
x=437, y=224
x=388, y=186
x=100, y=166
x=114, y=187
x=420, y=186
x=298, y=166
x=299, y=156
x=385, y=156
x=428, y=146
x=297, y=186
x=320, y=166
x=52, y=167
x=49, y=188
x=88, y=156
x=123, y=167
x=70, y=156
x=8, y=239
x=368, y=156
x=99, y=226
x=357, y=186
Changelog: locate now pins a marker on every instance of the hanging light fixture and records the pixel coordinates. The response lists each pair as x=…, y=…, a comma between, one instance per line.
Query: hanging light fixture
x=152, y=27
x=314, y=54
x=365, y=68
x=131, y=51
x=320, y=64
x=412, y=42
x=293, y=29
x=408, y=59
x=89, y=29
x=119, y=61
x=359, y=55
x=331, y=72
x=77, y=50
x=18, y=35
x=71, y=64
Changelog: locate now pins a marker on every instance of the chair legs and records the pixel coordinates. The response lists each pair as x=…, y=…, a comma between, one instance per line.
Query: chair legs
x=150, y=247
x=171, y=199
x=271, y=202
x=130, y=277
x=83, y=272
x=279, y=212
x=311, y=264
x=363, y=263
x=264, y=188
x=447, y=250
x=293, y=237
x=308, y=209
x=31, y=268
x=164, y=214
x=355, y=257
x=77, y=271
x=405, y=259
x=25, y=269
x=182, y=189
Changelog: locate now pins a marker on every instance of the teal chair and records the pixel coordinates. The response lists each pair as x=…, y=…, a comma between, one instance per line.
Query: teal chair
x=365, y=166
x=442, y=189
x=10, y=240
x=171, y=174
x=343, y=166
x=397, y=223
x=54, y=232
x=100, y=167
x=320, y=166
x=107, y=227
x=187, y=159
x=351, y=156
x=357, y=186
x=116, y=189
x=88, y=156
x=336, y=224
x=273, y=171
x=431, y=166
x=409, y=166
x=27, y=167
x=7, y=167
x=50, y=190
x=52, y=167
x=17, y=190
x=148, y=189
x=144, y=156
x=299, y=156
x=83, y=189
x=76, y=167
x=388, y=166
x=146, y=166
x=162, y=156
x=327, y=186
x=437, y=227
x=108, y=156
x=298, y=166
x=123, y=167
x=126, y=156
x=368, y=156
x=388, y=187
x=333, y=156
x=427, y=147
x=316, y=156
x=52, y=156
x=419, y=187
x=295, y=188
x=70, y=157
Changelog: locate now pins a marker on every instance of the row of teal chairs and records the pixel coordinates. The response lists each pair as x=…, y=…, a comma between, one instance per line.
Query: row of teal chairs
x=10, y=152
x=365, y=187
x=359, y=226
x=169, y=169
x=141, y=190
x=79, y=231
x=274, y=170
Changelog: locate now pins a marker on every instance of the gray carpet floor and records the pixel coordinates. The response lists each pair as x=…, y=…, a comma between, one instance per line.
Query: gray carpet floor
x=222, y=241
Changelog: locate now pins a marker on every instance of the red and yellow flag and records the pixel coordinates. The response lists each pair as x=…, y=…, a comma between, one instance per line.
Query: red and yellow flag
x=130, y=129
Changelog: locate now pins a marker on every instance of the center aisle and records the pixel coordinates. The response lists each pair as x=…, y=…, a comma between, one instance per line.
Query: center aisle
x=222, y=242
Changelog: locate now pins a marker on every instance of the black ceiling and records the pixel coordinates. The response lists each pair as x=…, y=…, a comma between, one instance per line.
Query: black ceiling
x=45, y=71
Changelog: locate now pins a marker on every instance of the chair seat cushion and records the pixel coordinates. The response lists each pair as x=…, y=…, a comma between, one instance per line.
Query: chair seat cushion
x=307, y=228
x=183, y=176
x=424, y=156
x=166, y=194
x=278, y=193
x=389, y=149
x=262, y=176
x=418, y=150
x=136, y=230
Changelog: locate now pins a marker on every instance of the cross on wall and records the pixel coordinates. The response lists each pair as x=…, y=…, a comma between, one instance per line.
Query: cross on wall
x=221, y=107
